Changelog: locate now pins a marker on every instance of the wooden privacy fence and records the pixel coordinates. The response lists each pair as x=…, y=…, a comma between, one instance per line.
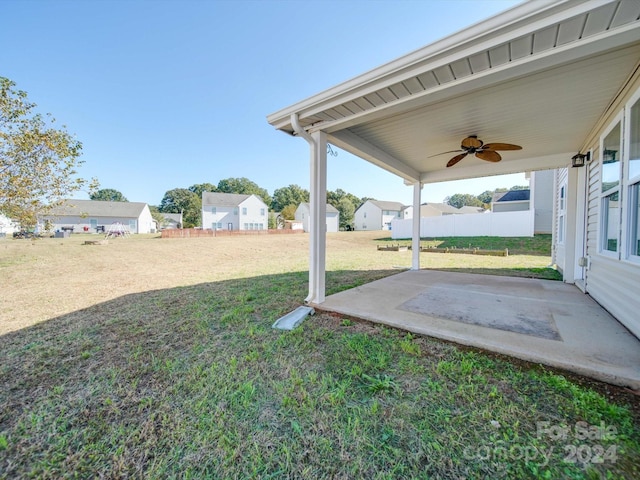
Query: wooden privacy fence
x=198, y=232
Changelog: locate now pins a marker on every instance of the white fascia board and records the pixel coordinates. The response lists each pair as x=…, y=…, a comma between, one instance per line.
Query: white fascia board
x=363, y=149
x=484, y=35
x=548, y=162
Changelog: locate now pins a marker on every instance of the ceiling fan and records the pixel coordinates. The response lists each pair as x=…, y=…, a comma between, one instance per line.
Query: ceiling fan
x=484, y=151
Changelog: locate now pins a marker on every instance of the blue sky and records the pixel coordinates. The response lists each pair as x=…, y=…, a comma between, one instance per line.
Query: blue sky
x=165, y=94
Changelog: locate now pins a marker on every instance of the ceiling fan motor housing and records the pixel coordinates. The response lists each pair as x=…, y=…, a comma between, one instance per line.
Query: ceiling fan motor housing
x=471, y=143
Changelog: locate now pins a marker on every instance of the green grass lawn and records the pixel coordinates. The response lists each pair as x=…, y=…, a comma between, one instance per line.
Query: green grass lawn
x=192, y=382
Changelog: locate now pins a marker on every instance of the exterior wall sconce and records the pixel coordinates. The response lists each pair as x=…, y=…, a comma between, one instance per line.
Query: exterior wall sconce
x=580, y=159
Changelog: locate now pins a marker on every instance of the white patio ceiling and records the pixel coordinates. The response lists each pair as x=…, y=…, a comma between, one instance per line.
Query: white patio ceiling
x=539, y=75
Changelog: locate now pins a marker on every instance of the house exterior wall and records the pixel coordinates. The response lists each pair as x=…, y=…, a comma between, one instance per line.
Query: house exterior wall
x=518, y=206
x=142, y=224
x=253, y=214
x=367, y=217
x=333, y=222
x=302, y=215
x=218, y=217
x=612, y=275
x=250, y=214
x=542, y=189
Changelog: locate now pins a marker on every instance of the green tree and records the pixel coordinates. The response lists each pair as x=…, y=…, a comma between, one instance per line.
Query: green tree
x=38, y=160
x=198, y=188
x=347, y=211
x=273, y=221
x=289, y=212
x=459, y=200
x=243, y=186
x=485, y=197
x=334, y=198
x=185, y=201
x=520, y=187
x=108, y=195
x=291, y=195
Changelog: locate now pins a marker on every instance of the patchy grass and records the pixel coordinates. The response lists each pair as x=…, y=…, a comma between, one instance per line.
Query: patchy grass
x=190, y=381
x=536, y=245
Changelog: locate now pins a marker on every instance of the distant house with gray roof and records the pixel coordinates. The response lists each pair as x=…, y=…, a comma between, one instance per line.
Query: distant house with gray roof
x=511, y=201
x=96, y=216
x=232, y=211
x=377, y=215
x=171, y=220
x=433, y=209
x=303, y=215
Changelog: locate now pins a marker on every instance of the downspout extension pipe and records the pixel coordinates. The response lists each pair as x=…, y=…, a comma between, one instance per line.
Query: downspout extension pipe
x=300, y=131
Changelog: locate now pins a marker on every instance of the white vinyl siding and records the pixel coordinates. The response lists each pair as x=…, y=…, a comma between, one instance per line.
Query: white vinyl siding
x=613, y=277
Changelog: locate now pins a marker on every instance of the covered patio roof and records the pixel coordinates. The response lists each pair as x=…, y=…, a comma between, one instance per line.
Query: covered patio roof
x=539, y=75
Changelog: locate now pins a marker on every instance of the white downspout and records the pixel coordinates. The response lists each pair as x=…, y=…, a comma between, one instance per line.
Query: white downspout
x=317, y=200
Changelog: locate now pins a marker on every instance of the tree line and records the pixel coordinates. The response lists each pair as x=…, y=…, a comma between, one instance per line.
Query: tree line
x=284, y=201
x=39, y=161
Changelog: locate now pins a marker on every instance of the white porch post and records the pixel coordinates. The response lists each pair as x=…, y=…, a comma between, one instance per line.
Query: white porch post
x=415, y=237
x=318, y=220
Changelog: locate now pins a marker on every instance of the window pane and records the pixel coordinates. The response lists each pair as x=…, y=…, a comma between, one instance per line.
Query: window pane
x=634, y=148
x=611, y=224
x=611, y=159
x=635, y=219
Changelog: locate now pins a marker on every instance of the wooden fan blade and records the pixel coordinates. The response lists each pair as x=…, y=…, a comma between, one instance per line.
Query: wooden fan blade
x=442, y=153
x=489, y=155
x=501, y=146
x=471, y=142
x=456, y=159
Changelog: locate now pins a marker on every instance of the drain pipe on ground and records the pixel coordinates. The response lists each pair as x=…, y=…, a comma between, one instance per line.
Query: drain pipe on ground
x=294, y=318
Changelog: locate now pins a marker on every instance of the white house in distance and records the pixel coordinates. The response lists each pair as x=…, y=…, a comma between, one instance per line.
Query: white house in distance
x=303, y=214
x=377, y=215
x=232, y=211
x=171, y=221
x=435, y=210
x=96, y=216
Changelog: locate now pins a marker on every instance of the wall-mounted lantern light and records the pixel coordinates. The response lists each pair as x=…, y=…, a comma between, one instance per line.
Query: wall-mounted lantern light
x=580, y=159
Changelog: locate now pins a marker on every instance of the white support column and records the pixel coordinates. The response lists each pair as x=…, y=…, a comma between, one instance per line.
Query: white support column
x=415, y=237
x=318, y=220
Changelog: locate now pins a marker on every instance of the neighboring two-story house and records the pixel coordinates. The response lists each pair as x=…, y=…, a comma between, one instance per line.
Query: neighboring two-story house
x=377, y=215
x=231, y=211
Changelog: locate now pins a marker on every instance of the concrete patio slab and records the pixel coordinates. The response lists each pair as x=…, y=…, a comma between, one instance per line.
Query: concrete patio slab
x=541, y=321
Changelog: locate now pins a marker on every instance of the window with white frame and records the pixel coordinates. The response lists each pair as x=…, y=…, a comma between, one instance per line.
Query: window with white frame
x=262, y=211
x=633, y=179
x=244, y=210
x=611, y=153
x=213, y=210
x=562, y=213
x=235, y=211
